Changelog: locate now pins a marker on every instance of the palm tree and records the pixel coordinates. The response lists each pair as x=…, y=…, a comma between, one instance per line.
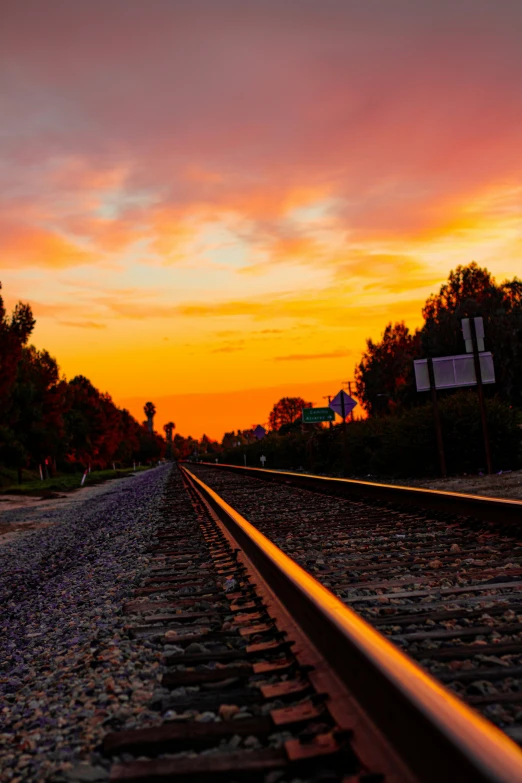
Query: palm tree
x=169, y=429
x=150, y=410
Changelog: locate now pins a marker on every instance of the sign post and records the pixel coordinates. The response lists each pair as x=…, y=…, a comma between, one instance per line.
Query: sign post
x=475, y=329
x=451, y=372
x=262, y=460
x=349, y=384
x=436, y=416
x=343, y=404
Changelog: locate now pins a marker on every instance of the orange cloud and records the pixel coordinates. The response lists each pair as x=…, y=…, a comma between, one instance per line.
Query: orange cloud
x=27, y=246
x=222, y=309
x=240, y=346
x=299, y=357
x=83, y=324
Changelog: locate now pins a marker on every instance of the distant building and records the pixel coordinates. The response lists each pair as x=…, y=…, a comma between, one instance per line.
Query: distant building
x=259, y=432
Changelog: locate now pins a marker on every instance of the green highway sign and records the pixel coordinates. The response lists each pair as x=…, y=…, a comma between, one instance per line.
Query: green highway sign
x=313, y=415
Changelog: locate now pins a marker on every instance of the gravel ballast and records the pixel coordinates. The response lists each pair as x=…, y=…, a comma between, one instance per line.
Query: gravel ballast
x=68, y=672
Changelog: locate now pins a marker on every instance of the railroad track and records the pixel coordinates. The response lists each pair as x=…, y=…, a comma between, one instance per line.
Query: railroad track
x=269, y=677
x=442, y=585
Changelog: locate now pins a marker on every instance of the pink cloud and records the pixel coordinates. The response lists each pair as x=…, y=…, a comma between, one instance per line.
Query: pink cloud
x=27, y=245
x=396, y=111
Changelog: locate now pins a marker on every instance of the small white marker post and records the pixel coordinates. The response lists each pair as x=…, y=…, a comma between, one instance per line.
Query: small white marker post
x=83, y=478
x=244, y=459
x=41, y=472
x=262, y=460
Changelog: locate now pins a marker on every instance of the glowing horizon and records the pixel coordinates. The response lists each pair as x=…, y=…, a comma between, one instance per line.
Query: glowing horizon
x=213, y=197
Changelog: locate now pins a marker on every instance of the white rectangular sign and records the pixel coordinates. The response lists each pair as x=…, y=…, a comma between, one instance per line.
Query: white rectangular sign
x=479, y=332
x=451, y=372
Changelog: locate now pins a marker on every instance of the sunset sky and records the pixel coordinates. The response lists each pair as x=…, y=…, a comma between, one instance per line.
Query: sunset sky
x=201, y=199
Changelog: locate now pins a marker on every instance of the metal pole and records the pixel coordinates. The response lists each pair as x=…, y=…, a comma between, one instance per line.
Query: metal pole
x=349, y=384
x=329, y=398
x=345, y=445
x=350, y=393
x=308, y=448
x=436, y=416
x=478, y=375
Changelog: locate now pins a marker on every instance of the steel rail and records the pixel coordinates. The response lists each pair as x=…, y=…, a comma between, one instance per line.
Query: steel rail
x=478, y=506
x=434, y=733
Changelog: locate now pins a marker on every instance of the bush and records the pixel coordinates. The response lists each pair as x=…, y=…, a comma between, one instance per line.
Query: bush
x=399, y=446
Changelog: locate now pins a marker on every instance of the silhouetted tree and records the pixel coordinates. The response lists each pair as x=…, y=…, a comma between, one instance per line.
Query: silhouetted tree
x=37, y=405
x=151, y=447
x=229, y=440
x=208, y=446
x=14, y=334
x=169, y=429
x=128, y=446
x=44, y=417
x=384, y=376
x=472, y=291
x=150, y=411
x=183, y=448
x=286, y=411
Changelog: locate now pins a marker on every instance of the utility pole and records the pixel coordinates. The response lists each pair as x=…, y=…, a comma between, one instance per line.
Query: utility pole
x=480, y=390
x=436, y=416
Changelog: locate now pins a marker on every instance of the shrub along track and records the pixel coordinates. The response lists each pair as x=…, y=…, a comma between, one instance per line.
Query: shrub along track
x=444, y=588
x=268, y=677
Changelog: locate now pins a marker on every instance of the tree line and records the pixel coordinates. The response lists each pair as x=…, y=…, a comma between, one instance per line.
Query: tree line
x=384, y=377
x=48, y=421
x=398, y=436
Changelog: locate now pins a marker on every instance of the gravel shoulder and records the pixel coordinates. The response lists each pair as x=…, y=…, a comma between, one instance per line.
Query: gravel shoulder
x=22, y=513
x=67, y=669
x=507, y=484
